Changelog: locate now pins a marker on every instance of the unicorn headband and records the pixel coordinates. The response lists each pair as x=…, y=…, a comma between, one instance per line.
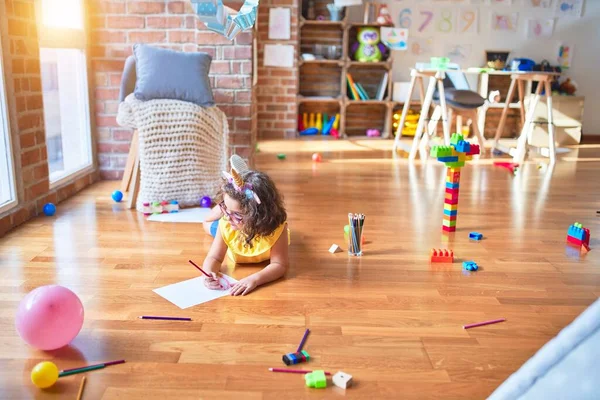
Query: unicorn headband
x=238, y=183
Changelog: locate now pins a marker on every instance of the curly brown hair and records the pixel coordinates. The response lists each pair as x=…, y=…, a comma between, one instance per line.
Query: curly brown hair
x=259, y=219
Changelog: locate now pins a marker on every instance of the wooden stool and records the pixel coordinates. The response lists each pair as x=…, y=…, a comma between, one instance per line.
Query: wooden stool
x=131, y=175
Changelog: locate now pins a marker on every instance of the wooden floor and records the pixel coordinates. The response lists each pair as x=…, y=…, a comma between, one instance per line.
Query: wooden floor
x=391, y=319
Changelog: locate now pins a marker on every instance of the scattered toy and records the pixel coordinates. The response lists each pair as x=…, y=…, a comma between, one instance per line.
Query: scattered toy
x=117, y=196
x=475, y=236
x=316, y=379
x=442, y=256
x=579, y=236
x=342, y=380
x=295, y=358
x=334, y=249
x=49, y=209
x=206, y=202
x=470, y=266
x=281, y=156
x=494, y=321
x=316, y=157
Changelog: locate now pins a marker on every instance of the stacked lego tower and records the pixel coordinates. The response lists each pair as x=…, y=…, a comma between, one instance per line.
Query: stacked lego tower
x=454, y=156
x=579, y=236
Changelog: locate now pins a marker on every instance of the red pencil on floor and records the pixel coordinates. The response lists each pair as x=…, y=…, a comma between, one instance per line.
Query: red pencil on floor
x=494, y=321
x=201, y=270
x=293, y=371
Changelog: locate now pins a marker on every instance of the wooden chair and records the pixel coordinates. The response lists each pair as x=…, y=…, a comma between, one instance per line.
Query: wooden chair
x=130, y=183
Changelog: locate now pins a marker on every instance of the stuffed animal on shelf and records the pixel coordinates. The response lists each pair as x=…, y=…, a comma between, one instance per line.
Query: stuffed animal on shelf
x=368, y=48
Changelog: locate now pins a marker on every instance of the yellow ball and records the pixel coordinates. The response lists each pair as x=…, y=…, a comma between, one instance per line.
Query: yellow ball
x=44, y=375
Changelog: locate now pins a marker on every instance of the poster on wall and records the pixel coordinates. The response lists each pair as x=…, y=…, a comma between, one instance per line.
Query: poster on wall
x=538, y=3
x=421, y=46
x=468, y=21
x=279, y=55
x=395, y=38
x=504, y=22
x=540, y=28
x=458, y=53
x=565, y=55
x=279, y=23
x=569, y=8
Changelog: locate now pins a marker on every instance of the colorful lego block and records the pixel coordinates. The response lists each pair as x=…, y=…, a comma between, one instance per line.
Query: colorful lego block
x=578, y=235
x=452, y=185
x=463, y=146
x=446, y=222
x=450, y=212
x=342, y=380
x=441, y=151
x=455, y=138
x=475, y=236
x=316, y=379
x=448, y=159
x=295, y=358
x=470, y=266
x=449, y=217
x=450, y=207
x=453, y=192
x=442, y=256
x=450, y=199
x=448, y=228
x=474, y=150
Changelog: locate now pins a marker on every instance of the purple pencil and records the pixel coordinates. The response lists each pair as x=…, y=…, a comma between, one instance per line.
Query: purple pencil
x=306, y=332
x=166, y=318
x=106, y=364
x=494, y=321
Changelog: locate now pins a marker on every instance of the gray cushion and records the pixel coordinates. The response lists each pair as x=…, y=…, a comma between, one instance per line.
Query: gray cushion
x=461, y=98
x=127, y=79
x=169, y=74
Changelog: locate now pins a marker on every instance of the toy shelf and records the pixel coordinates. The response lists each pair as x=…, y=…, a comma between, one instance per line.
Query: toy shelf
x=322, y=86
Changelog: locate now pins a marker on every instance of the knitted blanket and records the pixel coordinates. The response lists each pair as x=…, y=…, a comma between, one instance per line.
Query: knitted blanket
x=182, y=149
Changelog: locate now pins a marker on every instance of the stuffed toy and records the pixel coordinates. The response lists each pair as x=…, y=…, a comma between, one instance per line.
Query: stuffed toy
x=368, y=48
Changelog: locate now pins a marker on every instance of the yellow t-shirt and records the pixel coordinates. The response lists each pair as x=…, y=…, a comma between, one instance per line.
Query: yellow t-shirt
x=236, y=244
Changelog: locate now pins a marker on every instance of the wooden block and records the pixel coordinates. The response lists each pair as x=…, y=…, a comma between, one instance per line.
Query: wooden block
x=342, y=380
x=334, y=249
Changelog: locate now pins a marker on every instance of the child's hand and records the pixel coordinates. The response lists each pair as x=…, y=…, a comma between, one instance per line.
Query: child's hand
x=213, y=282
x=244, y=286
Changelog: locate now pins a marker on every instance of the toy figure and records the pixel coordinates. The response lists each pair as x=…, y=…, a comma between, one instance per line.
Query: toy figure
x=368, y=48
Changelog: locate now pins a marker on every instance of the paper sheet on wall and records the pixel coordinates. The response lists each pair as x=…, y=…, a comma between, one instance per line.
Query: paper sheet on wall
x=569, y=8
x=279, y=55
x=193, y=215
x=279, y=23
x=347, y=3
x=192, y=292
x=395, y=38
x=506, y=22
x=565, y=55
x=538, y=28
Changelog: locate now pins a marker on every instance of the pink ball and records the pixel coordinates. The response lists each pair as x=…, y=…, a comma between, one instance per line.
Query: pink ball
x=316, y=157
x=49, y=317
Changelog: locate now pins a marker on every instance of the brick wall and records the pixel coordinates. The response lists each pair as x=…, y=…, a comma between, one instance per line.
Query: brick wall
x=24, y=94
x=118, y=25
x=277, y=87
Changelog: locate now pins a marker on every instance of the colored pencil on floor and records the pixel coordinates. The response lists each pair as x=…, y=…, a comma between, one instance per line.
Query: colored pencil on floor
x=81, y=370
x=293, y=371
x=493, y=321
x=106, y=364
x=303, y=340
x=80, y=393
x=165, y=318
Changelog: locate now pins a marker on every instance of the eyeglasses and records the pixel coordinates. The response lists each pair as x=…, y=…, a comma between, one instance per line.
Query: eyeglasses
x=235, y=217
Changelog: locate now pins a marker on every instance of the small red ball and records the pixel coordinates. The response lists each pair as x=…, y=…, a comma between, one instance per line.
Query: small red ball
x=316, y=157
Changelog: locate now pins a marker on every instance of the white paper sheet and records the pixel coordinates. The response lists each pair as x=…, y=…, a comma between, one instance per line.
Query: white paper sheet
x=197, y=215
x=279, y=55
x=192, y=292
x=279, y=23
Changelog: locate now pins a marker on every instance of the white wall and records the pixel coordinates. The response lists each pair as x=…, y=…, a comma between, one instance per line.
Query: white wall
x=582, y=33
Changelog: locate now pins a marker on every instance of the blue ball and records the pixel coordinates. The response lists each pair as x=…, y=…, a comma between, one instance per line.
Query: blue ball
x=470, y=266
x=117, y=195
x=49, y=209
x=205, y=202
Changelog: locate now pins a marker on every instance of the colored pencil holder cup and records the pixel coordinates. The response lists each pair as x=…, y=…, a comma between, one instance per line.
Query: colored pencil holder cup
x=355, y=238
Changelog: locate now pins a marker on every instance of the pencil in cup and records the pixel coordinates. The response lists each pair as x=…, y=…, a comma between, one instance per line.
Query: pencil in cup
x=356, y=222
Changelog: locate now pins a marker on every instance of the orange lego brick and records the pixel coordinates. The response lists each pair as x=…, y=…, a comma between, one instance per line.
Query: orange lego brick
x=442, y=255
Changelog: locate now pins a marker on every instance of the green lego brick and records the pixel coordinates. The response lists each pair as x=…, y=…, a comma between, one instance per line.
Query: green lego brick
x=316, y=379
x=441, y=151
x=455, y=138
x=457, y=164
x=306, y=355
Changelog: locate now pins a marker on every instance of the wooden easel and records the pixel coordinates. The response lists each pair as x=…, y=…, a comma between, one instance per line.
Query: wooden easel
x=544, y=80
x=131, y=175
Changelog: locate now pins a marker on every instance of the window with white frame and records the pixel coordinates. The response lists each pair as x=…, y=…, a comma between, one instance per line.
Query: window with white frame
x=8, y=196
x=65, y=87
